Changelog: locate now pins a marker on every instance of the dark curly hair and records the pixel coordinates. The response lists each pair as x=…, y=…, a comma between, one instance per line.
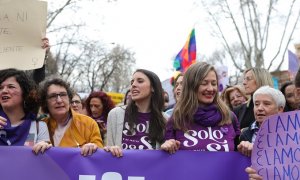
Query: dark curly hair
x=28, y=86
x=44, y=90
x=108, y=104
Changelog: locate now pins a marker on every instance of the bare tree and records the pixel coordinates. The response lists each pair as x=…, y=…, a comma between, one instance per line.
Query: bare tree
x=123, y=68
x=85, y=64
x=252, y=24
x=102, y=70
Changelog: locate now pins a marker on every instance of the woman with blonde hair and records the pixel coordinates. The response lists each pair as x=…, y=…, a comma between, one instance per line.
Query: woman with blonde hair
x=201, y=112
x=254, y=78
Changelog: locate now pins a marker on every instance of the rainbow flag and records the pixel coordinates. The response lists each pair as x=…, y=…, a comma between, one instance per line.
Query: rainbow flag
x=187, y=55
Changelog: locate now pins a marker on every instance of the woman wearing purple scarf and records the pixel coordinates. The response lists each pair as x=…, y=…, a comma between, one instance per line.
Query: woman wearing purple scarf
x=201, y=121
x=18, y=109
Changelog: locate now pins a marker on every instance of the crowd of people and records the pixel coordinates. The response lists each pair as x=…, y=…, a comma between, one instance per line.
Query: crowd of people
x=51, y=114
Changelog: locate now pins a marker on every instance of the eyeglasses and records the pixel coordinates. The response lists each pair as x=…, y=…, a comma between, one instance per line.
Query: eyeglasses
x=249, y=78
x=76, y=102
x=54, y=96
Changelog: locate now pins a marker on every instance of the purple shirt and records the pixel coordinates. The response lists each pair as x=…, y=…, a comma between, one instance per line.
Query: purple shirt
x=138, y=139
x=200, y=138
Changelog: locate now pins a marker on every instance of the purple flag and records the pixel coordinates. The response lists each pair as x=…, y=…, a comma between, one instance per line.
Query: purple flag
x=293, y=63
x=67, y=163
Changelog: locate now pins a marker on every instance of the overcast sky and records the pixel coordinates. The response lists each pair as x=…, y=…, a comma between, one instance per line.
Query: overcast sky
x=155, y=30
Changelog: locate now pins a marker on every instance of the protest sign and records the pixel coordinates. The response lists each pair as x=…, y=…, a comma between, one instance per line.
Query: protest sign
x=22, y=27
x=276, y=151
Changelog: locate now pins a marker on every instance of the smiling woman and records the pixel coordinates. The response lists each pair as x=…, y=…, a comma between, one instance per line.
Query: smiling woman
x=201, y=120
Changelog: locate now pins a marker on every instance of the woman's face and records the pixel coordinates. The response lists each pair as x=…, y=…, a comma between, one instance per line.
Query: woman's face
x=249, y=83
x=236, y=98
x=178, y=88
x=58, y=101
x=290, y=95
x=140, y=87
x=128, y=97
x=76, y=104
x=96, y=107
x=264, y=106
x=11, y=94
x=208, y=89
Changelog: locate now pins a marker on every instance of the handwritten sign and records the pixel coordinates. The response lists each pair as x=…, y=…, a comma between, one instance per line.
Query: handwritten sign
x=22, y=26
x=276, y=151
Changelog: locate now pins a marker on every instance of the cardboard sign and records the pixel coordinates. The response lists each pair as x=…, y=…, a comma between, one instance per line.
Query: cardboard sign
x=276, y=151
x=22, y=27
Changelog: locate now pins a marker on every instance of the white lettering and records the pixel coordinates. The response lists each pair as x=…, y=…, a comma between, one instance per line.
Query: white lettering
x=111, y=175
x=127, y=131
x=190, y=137
x=87, y=177
x=141, y=128
x=204, y=133
x=145, y=142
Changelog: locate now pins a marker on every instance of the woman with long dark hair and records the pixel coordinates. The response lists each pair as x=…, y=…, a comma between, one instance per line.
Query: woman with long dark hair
x=141, y=124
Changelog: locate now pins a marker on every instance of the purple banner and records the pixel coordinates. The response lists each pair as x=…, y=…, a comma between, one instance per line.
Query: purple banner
x=67, y=163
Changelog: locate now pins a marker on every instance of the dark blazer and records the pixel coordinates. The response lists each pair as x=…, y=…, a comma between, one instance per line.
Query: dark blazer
x=245, y=114
x=246, y=135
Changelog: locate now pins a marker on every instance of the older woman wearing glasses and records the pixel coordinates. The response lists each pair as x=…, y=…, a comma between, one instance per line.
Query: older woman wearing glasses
x=76, y=104
x=66, y=127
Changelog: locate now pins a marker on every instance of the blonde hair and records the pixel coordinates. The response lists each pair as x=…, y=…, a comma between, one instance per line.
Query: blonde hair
x=262, y=77
x=187, y=106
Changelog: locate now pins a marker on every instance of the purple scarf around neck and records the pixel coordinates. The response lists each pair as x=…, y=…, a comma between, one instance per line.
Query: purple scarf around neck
x=15, y=136
x=208, y=116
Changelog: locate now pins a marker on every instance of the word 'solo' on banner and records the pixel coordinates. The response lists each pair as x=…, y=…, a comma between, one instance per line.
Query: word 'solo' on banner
x=276, y=151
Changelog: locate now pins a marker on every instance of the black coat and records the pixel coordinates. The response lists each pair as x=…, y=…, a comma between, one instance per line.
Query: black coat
x=245, y=114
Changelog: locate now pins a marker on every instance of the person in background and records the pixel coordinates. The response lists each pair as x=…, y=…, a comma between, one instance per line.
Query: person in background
x=177, y=84
x=200, y=109
x=127, y=98
x=235, y=96
x=66, y=127
x=166, y=100
x=288, y=89
x=252, y=173
x=140, y=124
x=267, y=101
x=38, y=75
x=76, y=103
x=18, y=112
x=254, y=78
x=98, y=105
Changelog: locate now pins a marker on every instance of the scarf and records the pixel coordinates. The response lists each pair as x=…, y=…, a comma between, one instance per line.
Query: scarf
x=208, y=116
x=15, y=136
